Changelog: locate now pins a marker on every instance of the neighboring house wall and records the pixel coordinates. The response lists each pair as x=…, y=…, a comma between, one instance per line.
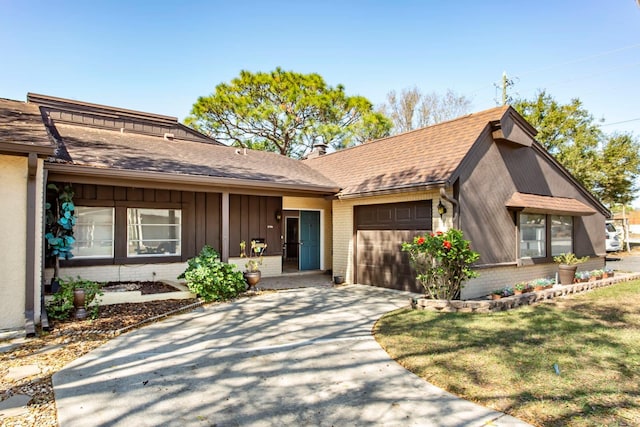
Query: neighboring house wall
x=343, y=225
x=316, y=204
x=13, y=193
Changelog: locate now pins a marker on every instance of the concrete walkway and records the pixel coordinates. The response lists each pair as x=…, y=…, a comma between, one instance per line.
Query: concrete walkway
x=292, y=358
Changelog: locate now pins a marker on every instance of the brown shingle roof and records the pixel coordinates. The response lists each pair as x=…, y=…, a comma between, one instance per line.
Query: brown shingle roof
x=424, y=156
x=109, y=149
x=21, y=123
x=546, y=204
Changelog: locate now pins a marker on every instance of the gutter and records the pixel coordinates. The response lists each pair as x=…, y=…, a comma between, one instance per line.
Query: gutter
x=456, y=207
x=398, y=190
x=29, y=283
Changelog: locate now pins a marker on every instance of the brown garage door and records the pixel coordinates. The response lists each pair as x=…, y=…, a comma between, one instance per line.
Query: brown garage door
x=380, y=231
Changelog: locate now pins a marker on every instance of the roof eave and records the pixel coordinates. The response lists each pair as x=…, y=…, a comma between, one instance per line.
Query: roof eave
x=179, y=181
x=18, y=148
x=434, y=185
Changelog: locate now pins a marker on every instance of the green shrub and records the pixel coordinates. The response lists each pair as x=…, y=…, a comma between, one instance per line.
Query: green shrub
x=61, y=306
x=442, y=262
x=212, y=279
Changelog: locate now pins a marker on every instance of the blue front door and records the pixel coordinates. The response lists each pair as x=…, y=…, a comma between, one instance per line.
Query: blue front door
x=309, y=240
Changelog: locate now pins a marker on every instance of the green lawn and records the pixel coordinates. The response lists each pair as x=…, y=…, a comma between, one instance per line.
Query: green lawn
x=506, y=360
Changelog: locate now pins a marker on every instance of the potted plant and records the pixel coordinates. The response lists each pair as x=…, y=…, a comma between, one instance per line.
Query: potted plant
x=520, y=288
x=607, y=272
x=60, y=220
x=252, y=272
x=541, y=284
x=581, y=276
x=595, y=275
x=496, y=293
x=78, y=294
x=568, y=264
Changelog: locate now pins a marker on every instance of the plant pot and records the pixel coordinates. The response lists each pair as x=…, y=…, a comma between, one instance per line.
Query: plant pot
x=516, y=292
x=338, y=280
x=252, y=278
x=496, y=296
x=79, y=297
x=567, y=273
x=538, y=288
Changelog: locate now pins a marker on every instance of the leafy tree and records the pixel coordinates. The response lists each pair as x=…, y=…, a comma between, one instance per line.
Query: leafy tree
x=413, y=109
x=616, y=179
x=286, y=112
x=606, y=166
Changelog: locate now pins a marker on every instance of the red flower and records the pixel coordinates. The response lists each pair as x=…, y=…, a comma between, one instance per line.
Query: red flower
x=439, y=233
x=446, y=244
x=420, y=240
x=431, y=234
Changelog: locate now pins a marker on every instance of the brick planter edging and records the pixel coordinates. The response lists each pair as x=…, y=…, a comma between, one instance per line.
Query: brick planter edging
x=515, y=301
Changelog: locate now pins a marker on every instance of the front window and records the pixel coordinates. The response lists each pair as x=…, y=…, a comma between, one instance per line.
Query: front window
x=561, y=235
x=153, y=232
x=93, y=232
x=532, y=236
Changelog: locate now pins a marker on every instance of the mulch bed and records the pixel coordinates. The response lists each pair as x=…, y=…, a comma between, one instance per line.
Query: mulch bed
x=65, y=342
x=112, y=318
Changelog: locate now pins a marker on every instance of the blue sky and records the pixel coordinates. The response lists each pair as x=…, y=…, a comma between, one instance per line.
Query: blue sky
x=160, y=56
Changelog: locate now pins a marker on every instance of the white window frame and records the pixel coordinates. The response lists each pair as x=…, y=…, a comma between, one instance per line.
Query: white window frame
x=79, y=224
x=151, y=250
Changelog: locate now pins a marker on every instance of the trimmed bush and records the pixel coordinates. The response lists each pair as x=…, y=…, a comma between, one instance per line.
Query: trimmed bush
x=212, y=279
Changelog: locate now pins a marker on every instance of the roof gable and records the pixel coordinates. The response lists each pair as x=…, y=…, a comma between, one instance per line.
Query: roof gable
x=422, y=157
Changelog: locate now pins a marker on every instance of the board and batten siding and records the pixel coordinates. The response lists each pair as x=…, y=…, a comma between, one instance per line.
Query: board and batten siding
x=254, y=217
x=201, y=213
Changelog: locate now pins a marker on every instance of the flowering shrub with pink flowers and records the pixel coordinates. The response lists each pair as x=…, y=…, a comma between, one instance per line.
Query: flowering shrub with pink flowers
x=442, y=262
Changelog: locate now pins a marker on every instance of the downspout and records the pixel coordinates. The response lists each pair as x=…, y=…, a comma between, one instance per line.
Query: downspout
x=456, y=207
x=29, y=290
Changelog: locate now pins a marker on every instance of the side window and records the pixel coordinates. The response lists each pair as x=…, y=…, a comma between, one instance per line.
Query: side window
x=93, y=232
x=561, y=235
x=153, y=232
x=533, y=236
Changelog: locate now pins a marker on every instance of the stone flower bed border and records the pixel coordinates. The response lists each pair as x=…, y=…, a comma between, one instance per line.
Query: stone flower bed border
x=515, y=301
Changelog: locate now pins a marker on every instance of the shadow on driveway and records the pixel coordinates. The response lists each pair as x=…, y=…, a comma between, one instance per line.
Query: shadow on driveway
x=295, y=357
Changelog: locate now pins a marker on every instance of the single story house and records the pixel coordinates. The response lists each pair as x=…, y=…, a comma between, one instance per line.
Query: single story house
x=151, y=192
x=483, y=173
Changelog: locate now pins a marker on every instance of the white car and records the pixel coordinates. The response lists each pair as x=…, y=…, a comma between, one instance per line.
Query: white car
x=612, y=242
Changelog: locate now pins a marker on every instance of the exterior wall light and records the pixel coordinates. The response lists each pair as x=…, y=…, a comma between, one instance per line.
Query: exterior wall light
x=441, y=209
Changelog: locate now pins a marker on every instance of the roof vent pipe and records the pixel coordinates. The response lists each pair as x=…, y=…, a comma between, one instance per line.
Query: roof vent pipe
x=455, y=204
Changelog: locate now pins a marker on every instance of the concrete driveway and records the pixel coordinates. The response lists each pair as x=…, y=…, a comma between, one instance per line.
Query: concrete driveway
x=292, y=358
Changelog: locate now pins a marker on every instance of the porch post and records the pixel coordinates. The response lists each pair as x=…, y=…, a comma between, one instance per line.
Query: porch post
x=225, y=227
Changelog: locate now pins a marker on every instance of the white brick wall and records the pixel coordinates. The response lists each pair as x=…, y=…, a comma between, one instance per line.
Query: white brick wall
x=499, y=277
x=116, y=273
